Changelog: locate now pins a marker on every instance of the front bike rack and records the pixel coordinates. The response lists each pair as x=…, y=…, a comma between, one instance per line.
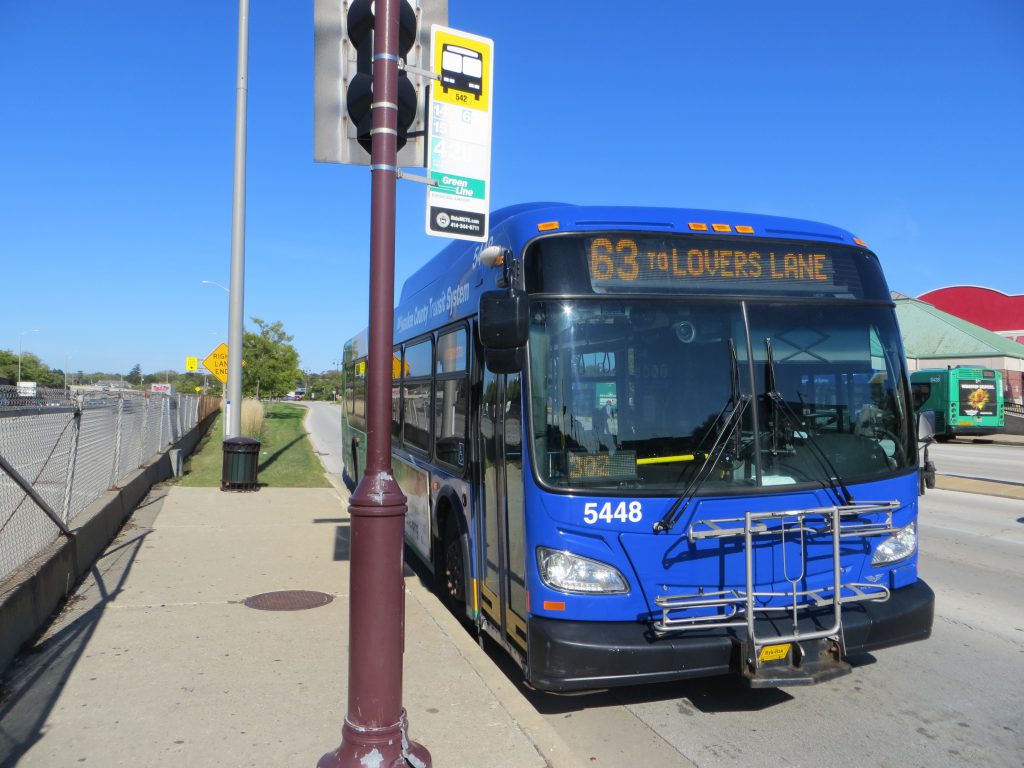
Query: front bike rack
x=796, y=657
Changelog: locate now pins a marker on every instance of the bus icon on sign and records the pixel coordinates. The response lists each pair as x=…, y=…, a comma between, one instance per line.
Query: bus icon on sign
x=461, y=69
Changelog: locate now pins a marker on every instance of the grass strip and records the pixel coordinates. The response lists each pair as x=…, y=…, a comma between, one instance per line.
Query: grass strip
x=286, y=458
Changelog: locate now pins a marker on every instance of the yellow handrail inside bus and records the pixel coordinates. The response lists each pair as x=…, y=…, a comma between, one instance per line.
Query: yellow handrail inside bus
x=668, y=459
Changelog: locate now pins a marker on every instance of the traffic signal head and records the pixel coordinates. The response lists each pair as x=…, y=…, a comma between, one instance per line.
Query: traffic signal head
x=343, y=78
x=359, y=94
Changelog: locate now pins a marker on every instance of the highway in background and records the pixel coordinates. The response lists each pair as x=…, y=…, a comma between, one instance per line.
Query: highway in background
x=1000, y=458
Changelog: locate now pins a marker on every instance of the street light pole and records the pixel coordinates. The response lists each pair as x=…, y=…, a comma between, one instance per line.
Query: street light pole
x=233, y=388
x=376, y=729
x=21, y=337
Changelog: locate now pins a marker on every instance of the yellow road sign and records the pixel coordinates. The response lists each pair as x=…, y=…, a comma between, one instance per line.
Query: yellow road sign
x=217, y=363
x=191, y=363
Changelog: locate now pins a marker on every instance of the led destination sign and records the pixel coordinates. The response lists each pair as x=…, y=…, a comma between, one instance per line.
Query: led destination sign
x=623, y=259
x=627, y=263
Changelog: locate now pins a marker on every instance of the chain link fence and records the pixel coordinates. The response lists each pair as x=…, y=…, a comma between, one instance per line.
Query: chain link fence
x=59, y=453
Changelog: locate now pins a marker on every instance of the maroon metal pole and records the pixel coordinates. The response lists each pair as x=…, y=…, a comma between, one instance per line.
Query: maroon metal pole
x=375, y=729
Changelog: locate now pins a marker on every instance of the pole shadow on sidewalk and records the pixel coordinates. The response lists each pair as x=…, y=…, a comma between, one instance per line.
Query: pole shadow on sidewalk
x=34, y=682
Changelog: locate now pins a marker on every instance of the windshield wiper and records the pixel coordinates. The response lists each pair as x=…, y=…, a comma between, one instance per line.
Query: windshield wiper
x=724, y=428
x=781, y=406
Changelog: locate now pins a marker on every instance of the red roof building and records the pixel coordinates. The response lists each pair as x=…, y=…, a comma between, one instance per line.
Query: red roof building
x=991, y=309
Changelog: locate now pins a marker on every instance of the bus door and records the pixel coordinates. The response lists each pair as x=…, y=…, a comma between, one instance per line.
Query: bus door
x=503, y=555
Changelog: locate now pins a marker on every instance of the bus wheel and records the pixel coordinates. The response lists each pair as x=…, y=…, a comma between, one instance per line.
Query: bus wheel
x=451, y=575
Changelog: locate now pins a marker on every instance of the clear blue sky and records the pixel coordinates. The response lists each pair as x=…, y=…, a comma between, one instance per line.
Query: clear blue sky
x=900, y=121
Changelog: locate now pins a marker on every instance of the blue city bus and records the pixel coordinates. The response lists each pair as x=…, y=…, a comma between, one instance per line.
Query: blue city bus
x=645, y=444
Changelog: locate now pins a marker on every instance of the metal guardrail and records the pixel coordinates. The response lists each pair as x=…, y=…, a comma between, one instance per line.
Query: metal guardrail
x=61, y=451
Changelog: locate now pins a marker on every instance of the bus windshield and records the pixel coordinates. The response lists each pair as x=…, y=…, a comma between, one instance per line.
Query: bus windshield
x=642, y=393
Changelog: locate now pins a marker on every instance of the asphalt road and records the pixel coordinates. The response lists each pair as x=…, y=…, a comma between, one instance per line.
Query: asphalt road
x=1001, y=461
x=323, y=423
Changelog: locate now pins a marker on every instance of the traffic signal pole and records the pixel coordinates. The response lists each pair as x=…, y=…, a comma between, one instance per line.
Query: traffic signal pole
x=375, y=729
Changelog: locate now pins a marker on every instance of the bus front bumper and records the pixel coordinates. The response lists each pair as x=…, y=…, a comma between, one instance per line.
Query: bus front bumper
x=581, y=655
x=962, y=430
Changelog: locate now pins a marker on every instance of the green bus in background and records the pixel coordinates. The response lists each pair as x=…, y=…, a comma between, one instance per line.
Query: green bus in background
x=965, y=401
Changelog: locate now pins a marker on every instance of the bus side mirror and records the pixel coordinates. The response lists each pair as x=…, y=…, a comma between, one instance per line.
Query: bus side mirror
x=504, y=328
x=504, y=319
x=504, y=360
x=926, y=427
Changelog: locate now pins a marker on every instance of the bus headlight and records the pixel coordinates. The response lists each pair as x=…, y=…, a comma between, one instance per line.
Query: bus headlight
x=899, y=546
x=567, y=572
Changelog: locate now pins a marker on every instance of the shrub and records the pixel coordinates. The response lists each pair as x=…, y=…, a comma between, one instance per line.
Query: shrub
x=252, y=418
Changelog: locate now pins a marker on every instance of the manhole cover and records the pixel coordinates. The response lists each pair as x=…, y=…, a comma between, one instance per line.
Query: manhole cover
x=288, y=600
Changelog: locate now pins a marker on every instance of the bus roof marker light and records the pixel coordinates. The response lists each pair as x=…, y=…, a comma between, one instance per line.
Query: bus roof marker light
x=548, y=226
x=698, y=227
x=860, y=242
x=721, y=228
x=744, y=229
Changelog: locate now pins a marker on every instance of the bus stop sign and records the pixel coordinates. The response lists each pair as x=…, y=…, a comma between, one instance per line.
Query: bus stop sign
x=459, y=150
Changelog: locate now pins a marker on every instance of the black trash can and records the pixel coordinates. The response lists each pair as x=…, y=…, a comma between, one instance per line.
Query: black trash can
x=241, y=464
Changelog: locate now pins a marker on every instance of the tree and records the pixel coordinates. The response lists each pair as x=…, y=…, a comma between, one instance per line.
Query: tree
x=325, y=385
x=271, y=362
x=8, y=365
x=32, y=369
x=168, y=376
x=190, y=382
x=135, y=375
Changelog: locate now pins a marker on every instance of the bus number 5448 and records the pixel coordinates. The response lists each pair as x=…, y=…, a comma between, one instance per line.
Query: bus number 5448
x=622, y=511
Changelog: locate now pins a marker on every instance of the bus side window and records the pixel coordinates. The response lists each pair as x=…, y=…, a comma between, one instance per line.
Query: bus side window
x=396, y=394
x=357, y=415
x=350, y=388
x=451, y=407
x=417, y=365
x=920, y=391
x=451, y=398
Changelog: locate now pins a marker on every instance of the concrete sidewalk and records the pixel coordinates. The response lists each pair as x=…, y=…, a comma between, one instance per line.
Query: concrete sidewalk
x=157, y=661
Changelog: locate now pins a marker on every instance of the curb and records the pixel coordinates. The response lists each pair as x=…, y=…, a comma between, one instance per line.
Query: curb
x=985, y=487
x=548, y=743
x=545, y=739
